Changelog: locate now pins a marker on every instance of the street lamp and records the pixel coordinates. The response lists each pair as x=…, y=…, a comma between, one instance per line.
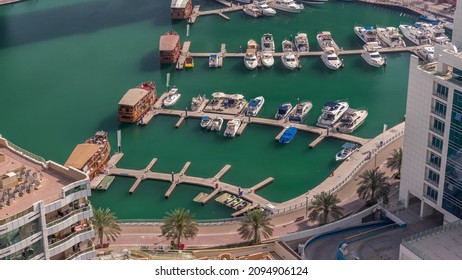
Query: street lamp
x=306, y=204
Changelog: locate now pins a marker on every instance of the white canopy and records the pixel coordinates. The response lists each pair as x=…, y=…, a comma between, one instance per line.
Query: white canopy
x=227, y=96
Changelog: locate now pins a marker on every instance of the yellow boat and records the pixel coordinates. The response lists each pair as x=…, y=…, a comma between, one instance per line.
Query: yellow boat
x=189, y=62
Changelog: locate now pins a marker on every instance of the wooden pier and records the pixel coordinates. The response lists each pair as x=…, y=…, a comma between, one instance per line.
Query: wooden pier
x=183, y=54
x=262, y=184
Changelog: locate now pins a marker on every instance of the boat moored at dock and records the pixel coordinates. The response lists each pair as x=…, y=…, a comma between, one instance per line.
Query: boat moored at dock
x=267, y=59
x=390, y=36
x=267, y=43
x=253, y=11
x=254, y=106
x=426, y=53
x=372, y=56
x=331, y=113
x=300, y=112
x=231, y=127
x=351, y=120
x=368, y=34
x=287, y=6
x=301, y=42
x=172, y=97
x=264, y=8
x=435, y=32
x=213, y=60
x=290, y=60
x=331, y=59
x=288, y=135
x=206, y=121
x=283, y=111
x=137, y=102
x=216, y=124
x=415, y=33
x=197, y=101
x=325, y=40
x=250, y=58
x=347, y=150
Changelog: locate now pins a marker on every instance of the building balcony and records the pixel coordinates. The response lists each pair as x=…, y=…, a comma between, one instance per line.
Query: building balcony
x=437, y=131
x=439, y=113
x=85, y=254
x=69, y=219
x=57, y=246
x=434, y=165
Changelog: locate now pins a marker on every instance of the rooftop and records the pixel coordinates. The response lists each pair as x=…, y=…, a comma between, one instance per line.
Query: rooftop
x=81, y=155
x=179, y=3
x=168, y=42
x=133, y=96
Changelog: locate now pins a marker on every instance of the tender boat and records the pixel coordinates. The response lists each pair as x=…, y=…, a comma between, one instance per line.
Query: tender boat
x=189, y=62
x=196, y=102
x=288, y=135
x=253, y=11
x=300, y=112
x=267, y=43
x=216, y=124
x=267, y=59
x=367, y=34
x=372, y=56
x=172, y=97
x=254, y=106
x=287, y=6
x=232, y=127
x=415, y=34
x=301, y=42
x=325, y=40
x=347, y=150
x=331, y=59
x=435, y=32
x=264, y=8
x=213, y=60
x=426, y=53
x=351, y=120
x=250, y=58
x=206, y=122
x=331, y=113
x=290, y=60
x=390, y=36
x=283, y=111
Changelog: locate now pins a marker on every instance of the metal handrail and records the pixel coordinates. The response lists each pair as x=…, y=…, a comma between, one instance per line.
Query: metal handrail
x=64, y=240
x=73, y=256
x=70, y=214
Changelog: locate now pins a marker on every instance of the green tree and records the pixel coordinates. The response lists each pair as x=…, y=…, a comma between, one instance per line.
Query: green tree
x=373, y=186
x=323, y=205
x=255, y=224
x=105, y=224
x=179, y=223
x=395, y=159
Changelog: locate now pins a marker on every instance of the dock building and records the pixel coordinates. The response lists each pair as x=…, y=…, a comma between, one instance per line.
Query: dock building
x=181, y=9
x=44, y=208
x=169, y=47
x=137, y=102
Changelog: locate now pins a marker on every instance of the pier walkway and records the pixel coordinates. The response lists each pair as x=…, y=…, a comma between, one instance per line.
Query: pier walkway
x=230, y=7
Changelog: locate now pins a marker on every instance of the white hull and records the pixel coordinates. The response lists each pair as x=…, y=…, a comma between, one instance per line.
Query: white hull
x=232, y=128
x=300, y=112
x=331, y=60
x=267, y=60
x=254, y=110
x=332, y=114
x=414, y=35
x=325, y=40
x=353, y=121
x=216, y=124
x=287, y=6
x=171, y=99
x=366, y=35
x=390, y=37
x=281, y=114
x=372, y=61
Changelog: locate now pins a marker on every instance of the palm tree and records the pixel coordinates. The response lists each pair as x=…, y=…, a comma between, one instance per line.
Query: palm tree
x=105, y=223
x=179, y=223
x=395, y=160
x=255, y=224
x=373, y=186
x=324, y=204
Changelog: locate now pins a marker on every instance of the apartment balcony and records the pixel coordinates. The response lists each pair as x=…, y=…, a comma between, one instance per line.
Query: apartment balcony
x=81, y=234
x=85, y=254
x=439, y=113
x=69, y=219
x=437, y=130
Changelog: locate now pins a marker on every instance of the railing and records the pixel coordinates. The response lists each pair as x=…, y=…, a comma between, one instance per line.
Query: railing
x=25, y=153
x=67, y=238
x=437, y=131
x=17, y=216
x=440, y=95
x=434, y=165
x=435, y=148
x=70, y=214
x=161, y=221
x=438, y=113
x=73, y=256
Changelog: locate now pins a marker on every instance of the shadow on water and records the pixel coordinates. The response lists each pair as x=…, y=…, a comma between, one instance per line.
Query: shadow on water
x=150, y=62
x=85, y=17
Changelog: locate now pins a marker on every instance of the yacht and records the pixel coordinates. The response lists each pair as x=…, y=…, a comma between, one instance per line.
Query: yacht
x=367, y=34
x=390, y=36
x=288, y=135
x=254, y=106
x=197, y=101
x=300, y=112
x=287, y=6
x=331, y=113
x=325, y=40
x=435, y=32
x=347, y=150
x=267, y=59
x=253, y=11
x=351, y=120
x=232, y=127
x=301, y=42
x=290, y=60
x=331, y=59
x=172, y=97
x=206, y=121
x=264, y=8
x=372, y=56
x=216, y=124
x=283, y=111
x=213, y=60
x=415, y=34
x=426, y=53
x=267, y=43
x=250, y=58
x=287, y=46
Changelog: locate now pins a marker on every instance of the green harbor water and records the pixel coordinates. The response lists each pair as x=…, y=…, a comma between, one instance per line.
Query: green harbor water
x=64, y=65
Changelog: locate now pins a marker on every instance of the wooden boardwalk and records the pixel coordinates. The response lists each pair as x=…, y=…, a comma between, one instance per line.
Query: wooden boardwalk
x=183, y=54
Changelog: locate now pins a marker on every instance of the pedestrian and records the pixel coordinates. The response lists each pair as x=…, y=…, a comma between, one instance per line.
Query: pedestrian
x=216, y=186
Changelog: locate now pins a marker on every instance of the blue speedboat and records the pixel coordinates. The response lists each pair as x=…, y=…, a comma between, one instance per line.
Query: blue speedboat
x=288, y=135
x=430, y=19
x=205, y=121
x=283, y=111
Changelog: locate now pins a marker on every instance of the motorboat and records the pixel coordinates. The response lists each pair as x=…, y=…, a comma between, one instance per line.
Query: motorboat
x=435, y=32
x=206, y=121
x=189, y=62
x=283, y=111
x=372, y=56
x=250, y=58
x=231, y=127
x=213, y=60
x=390, y=36
x=367, y=34
x=331, y=113
x=331, y=59
x=325, y=40
x=415, y=34
x=290, y=60
x=313, y=2
x=287, y=6
x=347, y=150
x=300, y=112
x=172, y=97
x=252, y=11
x=288, y=135
x=429, y=19
x=426, y=53
x=267, y=43
x=264, y=8
x=301, y=42
x=197, y=101
x=254, y=106
x=351, y=120
x=287, y=46
x=267, y=59
x=216, y=124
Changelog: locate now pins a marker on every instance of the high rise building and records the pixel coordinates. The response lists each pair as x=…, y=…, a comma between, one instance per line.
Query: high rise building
x=44, y=208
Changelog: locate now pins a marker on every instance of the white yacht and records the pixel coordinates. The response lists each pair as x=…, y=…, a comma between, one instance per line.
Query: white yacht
x=426, y=53
x=250, y=58
x=347, y=150
x=300, y=112
x=301, y=42
x=267, y=43
x=367, y=34
x=287, y=46
x=216, y=124
x=231, y=127
x=267, y=59
x=325, y=40
x=172, y=97
x=253, y=11
x=331, y=59
x=351, y=120
x=264, y=8
x=415, y=34
x=254, y=106
x=435, y=32
x=290, y=60
x=390, y=36
x=331, y=113
x=283, y=111
x=287, y=6
x=372, y=56
x=196, y=102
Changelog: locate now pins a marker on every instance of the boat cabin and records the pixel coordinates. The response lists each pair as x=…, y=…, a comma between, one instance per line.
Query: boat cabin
x=135, y=103
x=169, y=47
x=181, y=9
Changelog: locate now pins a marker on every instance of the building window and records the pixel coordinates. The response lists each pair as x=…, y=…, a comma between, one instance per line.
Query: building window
x=457, y=102
x=441, y=91
x=431, y=193
x=457, y=74
x=436, y=143
x=437, y=126
x=439, y=109
x=434, y=160
x=433, y=177
x=19, y=234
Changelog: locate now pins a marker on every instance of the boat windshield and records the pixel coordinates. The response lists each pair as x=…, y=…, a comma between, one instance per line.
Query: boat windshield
x=332, y=58
x=375, y=55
